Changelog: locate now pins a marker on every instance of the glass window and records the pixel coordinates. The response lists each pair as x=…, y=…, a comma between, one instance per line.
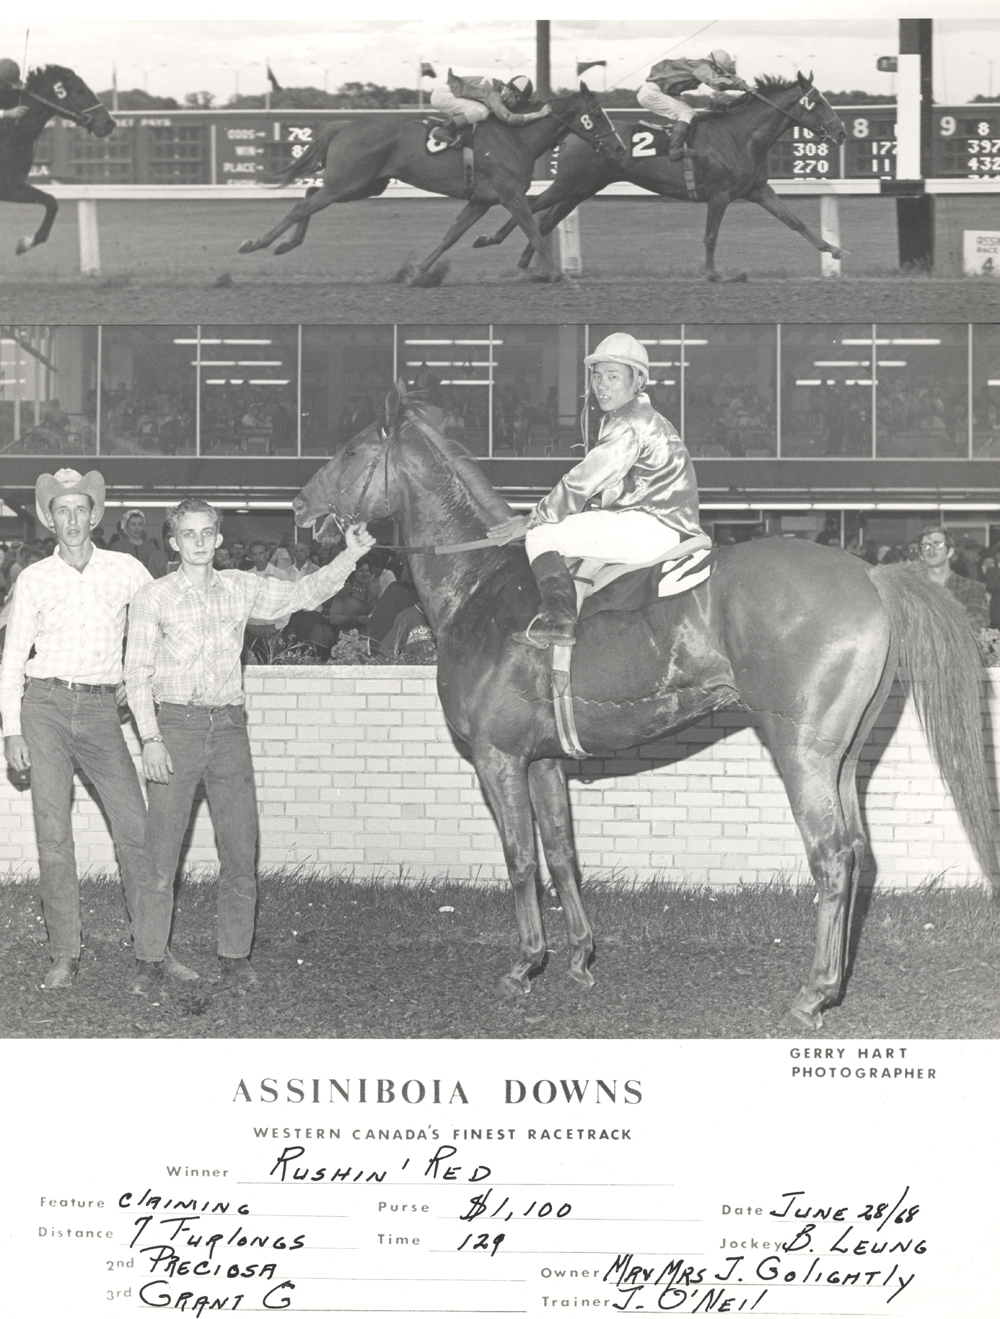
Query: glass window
x=730, y=391
x=826, y=391
x=148, y=390
x=346, y=373
x=922, y=392
x=537, y=388
x=986, y=391
x=249, y=390
x=48, y=381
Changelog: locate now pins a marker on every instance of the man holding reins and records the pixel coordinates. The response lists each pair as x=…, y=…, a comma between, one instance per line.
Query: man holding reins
x=661, y=92
x=633, y=498
x=10, y=90
x=472, y=99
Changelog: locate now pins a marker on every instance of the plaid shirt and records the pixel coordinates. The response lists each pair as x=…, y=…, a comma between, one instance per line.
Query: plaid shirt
x=75, y=620
x=184, y=645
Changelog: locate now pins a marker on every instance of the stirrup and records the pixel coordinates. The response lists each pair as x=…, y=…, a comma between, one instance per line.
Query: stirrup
x=526, y=639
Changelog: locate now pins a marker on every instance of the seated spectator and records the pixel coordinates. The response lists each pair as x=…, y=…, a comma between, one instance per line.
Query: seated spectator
x=830, y=535
x=352, y=606
x=937, y=550
x=395, y=600
x=989, y=568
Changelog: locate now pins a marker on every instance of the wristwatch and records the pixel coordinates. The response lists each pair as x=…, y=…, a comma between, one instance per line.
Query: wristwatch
x=155, y=738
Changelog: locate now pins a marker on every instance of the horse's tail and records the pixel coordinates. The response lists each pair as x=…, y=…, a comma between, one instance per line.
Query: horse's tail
x=940, y=664
x=312, y=160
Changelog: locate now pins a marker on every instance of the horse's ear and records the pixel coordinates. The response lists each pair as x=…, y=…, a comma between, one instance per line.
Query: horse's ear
x=393, y=401
x=584, y=88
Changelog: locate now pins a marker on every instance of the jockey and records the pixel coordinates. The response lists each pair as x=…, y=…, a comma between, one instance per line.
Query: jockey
x=10, y=90
x=660, y=93
x=472, y=99
x=632, y=498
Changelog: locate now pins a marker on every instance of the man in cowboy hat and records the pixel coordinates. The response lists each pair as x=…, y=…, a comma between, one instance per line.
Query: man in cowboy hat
x=10, y=90
x=641, y=476
x=661, y=92
x=71, y=607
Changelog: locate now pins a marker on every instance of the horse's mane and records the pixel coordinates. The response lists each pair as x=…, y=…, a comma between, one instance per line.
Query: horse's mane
x=45, y=71
x=768, y=84
x=428, y=417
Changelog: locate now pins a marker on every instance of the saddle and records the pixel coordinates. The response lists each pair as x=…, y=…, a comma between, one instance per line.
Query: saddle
x=463, y=140
x=624, y=587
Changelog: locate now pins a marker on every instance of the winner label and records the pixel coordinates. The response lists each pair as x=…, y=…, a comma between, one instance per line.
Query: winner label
x=404, y=1178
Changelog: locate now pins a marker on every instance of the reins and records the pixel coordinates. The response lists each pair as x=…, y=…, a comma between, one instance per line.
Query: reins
x=793, y=119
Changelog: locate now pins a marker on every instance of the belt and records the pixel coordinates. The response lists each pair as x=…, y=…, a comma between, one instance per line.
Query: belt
x=191, y=705
x=98, y=688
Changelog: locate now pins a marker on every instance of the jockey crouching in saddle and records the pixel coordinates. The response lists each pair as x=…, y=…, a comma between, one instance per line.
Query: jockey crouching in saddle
x=472, y=99
x=661, y=91
x=10, y=90
x=639, y=475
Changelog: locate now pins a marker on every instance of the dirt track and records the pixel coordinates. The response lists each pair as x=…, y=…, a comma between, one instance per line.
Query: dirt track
x=162, y=263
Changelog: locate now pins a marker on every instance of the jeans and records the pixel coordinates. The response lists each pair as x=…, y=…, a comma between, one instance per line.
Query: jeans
x=210, y=745
x=63, y=725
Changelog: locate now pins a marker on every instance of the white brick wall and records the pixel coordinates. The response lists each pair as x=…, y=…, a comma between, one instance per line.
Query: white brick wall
x=356, y=771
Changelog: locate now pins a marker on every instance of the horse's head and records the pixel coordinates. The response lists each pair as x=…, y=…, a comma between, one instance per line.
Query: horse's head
x=809, y=109
x=351, y=488
x=583, y=114
x=66, y=94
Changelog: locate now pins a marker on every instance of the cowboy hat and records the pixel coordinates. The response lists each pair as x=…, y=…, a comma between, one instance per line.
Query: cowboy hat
x=68, y=482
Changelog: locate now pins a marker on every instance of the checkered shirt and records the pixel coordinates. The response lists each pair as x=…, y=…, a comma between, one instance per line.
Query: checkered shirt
x=184, y=645
x=75, y=620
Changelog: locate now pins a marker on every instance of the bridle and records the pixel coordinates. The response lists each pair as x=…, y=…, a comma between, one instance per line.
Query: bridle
x=82, y=118
x=797, y=119
x=590, y=134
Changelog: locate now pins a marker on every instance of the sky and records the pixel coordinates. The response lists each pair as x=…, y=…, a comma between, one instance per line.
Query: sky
x=171, y=58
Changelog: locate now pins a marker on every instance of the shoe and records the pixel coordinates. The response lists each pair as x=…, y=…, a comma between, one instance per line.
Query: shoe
x=146, y=977
x=555, y=623
x=61, y=973
x=177, y=970
x=678, y=138
x=239, y=974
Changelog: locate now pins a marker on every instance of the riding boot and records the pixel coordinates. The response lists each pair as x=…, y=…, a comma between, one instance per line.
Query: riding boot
x=677, y=139
x=555, y=622
x=446, y=134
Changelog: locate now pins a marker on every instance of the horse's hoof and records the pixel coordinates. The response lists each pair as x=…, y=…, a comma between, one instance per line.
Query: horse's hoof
x=282, y=248
x=24, y=245
x=248, y=245
x=511, y=987
x=582, y=978
x=713, y=278
x=838, y=253
x=483, y=240
x=741, y=278
x=405, y=273
x=796, y=1017
x=430, y=279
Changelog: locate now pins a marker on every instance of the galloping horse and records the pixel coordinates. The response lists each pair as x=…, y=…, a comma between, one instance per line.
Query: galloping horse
x=358, y=160
x=804, y=639
x=48, y=92
x=730, y=162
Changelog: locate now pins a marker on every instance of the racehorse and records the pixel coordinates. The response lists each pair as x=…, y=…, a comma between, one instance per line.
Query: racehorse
x=804, y=639
x=729, y=162
x=48, y=92
x=358, y=159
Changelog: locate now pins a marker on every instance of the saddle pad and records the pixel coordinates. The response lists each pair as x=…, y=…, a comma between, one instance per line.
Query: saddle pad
x=648, y=140
x=635, y=590
x=434, y=148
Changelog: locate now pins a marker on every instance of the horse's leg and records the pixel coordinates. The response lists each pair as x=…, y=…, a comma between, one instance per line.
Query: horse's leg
x=316, y=199
x=717, y=204
x=810, y=769
x=467, y=217
x=550, y=799
x=517, y=204
x=553, y=216
x=766, y=196
x=505, y=782
x=24, y=194
x=299, y=233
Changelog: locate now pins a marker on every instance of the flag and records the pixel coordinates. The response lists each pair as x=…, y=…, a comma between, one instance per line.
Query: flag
x=275, y=85
x=427, y=70
x=583, y=65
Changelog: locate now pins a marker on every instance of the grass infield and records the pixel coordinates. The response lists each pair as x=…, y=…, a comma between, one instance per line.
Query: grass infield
x=340, y=959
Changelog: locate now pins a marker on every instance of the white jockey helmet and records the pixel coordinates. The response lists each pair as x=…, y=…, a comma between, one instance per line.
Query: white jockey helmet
x=624, y=349
x=723, y=60
x=522, y=87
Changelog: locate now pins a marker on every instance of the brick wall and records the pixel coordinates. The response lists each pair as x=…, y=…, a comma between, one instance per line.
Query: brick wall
x=356, y=771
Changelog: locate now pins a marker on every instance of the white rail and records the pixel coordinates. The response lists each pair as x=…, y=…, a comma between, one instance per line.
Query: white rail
x=87, y=195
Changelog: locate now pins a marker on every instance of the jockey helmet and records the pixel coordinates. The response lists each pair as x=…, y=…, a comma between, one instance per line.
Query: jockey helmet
x=624, y=349
x=723, y=60
x=10, y=73
x=522, y=87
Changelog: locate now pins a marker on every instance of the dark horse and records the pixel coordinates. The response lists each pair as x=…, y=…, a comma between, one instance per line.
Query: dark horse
x=730, y=162
x=803, y=639
x=48, y=92
x=358, y=159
